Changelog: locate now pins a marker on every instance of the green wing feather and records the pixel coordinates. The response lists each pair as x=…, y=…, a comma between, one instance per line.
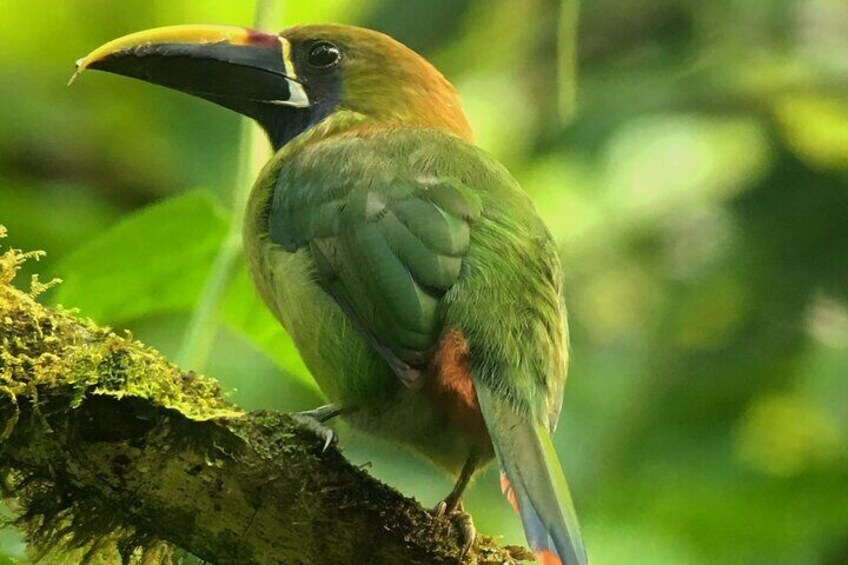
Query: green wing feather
x=388, y=239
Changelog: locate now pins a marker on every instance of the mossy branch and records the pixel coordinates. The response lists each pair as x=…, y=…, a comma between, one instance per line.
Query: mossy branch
x=107, y=449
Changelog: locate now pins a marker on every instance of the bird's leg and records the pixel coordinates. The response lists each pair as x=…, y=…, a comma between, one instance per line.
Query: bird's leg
x=314, y=420
x=322, y=413
x=452, y=505
x=454, y=500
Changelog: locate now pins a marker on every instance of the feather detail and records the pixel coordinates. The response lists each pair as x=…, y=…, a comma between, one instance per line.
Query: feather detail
x=535, y=480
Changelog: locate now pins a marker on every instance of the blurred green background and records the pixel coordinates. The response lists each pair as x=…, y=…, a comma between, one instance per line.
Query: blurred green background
x=691, y=159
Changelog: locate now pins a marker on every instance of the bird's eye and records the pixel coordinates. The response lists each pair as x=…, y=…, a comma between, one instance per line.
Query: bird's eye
x=324, y=55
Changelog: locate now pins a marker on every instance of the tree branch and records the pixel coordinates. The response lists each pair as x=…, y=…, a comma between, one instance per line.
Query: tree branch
x=107, y=448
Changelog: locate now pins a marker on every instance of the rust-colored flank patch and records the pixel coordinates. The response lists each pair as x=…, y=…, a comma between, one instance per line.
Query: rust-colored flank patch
x=452, y=387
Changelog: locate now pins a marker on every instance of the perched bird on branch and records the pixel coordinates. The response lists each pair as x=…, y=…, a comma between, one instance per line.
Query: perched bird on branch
x=412, y=272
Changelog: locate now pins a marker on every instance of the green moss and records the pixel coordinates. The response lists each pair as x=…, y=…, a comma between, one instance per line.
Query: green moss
x=51, y=357
x=40, y=347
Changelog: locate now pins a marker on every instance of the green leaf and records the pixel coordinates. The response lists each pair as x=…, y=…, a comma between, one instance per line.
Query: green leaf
x=244, y=312
x=154, y=261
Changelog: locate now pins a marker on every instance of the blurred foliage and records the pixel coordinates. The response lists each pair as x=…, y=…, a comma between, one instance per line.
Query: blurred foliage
x=149, y=252
x=693, y=166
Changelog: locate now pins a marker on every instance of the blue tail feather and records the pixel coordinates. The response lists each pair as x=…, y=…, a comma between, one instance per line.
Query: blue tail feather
x=527, y=457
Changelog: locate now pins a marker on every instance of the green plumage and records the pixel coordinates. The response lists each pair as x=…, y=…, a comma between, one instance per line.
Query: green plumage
x=386, y=249
x=410, y=232
x=408, y=247
x=413, y=274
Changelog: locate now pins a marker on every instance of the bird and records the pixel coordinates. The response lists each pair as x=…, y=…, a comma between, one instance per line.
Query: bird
x=416, y=279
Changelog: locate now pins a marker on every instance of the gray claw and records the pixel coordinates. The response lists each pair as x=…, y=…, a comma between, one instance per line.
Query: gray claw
x=315, y=426
x=461, y=518
x=330, y=438
x=469, y=532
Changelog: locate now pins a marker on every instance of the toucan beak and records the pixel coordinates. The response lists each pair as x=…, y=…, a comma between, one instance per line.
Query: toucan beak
x=241, y=69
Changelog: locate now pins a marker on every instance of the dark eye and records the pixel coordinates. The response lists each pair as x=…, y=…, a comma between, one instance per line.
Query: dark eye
x=324, y=55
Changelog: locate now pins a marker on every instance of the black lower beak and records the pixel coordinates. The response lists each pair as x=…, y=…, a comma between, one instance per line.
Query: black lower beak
x=240, y=69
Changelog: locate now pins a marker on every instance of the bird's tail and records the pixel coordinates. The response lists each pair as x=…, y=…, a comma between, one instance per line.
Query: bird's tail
x=533, y=482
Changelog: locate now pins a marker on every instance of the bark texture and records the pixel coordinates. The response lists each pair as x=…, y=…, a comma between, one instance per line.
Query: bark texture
x=107, y=450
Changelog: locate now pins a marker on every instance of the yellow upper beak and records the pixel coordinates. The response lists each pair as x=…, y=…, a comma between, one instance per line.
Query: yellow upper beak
x=186, y=34
x=221, y=63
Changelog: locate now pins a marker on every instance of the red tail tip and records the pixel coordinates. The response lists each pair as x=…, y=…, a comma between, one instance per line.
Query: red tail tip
x=547, y=557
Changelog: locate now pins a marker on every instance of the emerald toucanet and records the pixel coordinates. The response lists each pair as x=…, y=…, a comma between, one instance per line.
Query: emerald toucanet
x=412, y=272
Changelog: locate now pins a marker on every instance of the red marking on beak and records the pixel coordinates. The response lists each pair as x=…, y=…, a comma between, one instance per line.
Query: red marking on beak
x=261, y=39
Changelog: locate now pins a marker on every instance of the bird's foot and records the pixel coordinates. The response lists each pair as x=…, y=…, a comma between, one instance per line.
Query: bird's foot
x=314, y=421
x=453, y=511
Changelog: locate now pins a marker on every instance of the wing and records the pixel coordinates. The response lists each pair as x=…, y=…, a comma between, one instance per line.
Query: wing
x=388, y=238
